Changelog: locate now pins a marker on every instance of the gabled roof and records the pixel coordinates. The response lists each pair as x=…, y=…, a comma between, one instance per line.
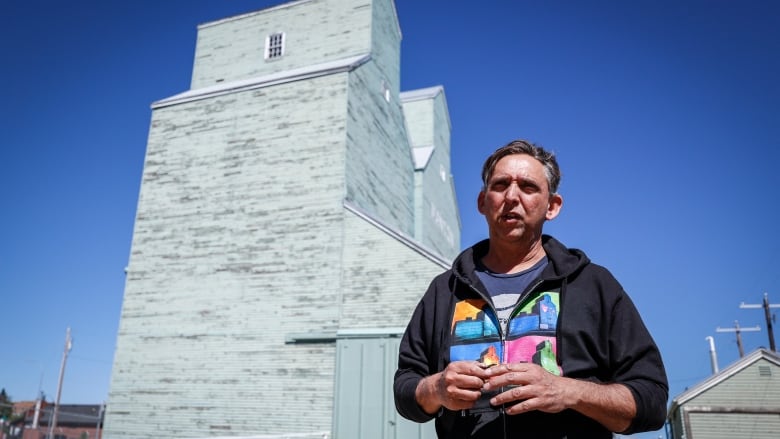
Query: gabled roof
x=723, y=375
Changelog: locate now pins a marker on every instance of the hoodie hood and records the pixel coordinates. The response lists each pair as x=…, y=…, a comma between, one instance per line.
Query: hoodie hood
x=563, y=262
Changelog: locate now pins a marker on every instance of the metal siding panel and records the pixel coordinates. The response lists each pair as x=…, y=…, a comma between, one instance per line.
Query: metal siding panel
x=365, y=407
x=360, y=397
x=373, y=396
x=399, y=427
x=730, y=426
x=347, y=408
x=746, y=388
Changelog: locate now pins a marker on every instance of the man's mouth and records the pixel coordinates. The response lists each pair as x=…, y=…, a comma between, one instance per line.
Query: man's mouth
x=509, y=216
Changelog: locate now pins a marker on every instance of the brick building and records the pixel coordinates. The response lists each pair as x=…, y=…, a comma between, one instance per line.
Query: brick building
x=74, y=421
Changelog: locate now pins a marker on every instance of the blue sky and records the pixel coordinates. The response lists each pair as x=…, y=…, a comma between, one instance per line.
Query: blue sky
x=665, y=116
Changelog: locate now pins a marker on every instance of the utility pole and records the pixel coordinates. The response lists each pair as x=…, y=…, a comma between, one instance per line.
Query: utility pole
x=768, y=316
x=68, y=346
x=738, y=330
x=98, y=429
x=713, y=355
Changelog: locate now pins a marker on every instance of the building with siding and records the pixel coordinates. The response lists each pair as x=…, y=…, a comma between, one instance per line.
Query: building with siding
x=742, y=400
x=294, y=206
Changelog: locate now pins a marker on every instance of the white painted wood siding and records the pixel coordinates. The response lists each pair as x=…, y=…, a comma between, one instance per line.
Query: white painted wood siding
x=242, y=237
x=437, y=222
x=234, y=248
x=316, y=31
x=380, y=176
x=383, y=279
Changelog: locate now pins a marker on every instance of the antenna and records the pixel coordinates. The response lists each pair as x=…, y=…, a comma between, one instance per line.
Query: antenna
x=738, y=330
x=769, y=319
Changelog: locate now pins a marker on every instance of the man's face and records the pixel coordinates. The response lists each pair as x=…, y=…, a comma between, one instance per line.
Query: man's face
x=516, y=201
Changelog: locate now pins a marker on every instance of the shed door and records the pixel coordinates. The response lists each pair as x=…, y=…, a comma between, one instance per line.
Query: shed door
x=364, y=406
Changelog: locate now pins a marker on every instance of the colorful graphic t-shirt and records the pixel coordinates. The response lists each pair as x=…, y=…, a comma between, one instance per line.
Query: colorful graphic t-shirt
x=505, y=289
x=529, y=335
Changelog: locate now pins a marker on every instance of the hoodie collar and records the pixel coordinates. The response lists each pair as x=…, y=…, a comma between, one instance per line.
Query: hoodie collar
x=563, y=262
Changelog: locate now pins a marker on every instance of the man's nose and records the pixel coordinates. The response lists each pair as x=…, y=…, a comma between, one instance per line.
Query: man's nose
x=512, y=192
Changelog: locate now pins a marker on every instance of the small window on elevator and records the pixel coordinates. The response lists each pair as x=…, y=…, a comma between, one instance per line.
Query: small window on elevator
x=274, y=45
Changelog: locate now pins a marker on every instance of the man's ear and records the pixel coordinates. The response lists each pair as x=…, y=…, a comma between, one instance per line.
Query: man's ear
x=554, y=206
x=481, y=202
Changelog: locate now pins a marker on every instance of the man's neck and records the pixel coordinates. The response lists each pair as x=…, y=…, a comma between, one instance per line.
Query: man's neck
x=514, y=258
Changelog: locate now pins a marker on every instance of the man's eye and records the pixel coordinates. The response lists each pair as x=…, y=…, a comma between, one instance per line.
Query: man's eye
x=530, y=188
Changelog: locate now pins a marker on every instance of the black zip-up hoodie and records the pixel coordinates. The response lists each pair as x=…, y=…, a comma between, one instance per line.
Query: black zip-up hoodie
x=599, y=335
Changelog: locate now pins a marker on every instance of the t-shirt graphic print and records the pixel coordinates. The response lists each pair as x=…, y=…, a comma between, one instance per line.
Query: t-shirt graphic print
x=530, y=335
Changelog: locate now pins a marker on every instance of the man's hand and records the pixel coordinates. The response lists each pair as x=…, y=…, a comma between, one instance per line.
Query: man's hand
x=534, y=388
x=457, y=387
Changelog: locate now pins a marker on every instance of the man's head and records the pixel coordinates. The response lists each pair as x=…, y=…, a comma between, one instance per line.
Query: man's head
x=520, y=182
x=546, y=158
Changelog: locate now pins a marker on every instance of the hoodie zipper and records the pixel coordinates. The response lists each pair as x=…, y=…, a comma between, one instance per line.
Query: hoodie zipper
x=503, y=327
x=501, y=335
x=503, y=324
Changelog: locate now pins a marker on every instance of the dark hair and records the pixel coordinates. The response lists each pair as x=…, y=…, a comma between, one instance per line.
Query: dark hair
x=546, y=158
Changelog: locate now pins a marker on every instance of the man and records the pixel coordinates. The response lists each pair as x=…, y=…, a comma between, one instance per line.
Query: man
x=523, y=337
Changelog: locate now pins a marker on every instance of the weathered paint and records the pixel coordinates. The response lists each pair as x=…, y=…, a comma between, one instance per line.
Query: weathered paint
x=437, y=223
x=316, y=31
x=233, y=248
x=242, y=236
x=383, y=279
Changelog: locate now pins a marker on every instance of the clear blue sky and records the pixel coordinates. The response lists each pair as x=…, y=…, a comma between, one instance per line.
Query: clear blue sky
x=665, y=116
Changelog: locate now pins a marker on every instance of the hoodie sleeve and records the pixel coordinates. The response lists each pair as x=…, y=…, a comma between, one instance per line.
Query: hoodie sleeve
x=637, y=363
x=603, y=339
x=417, y=358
